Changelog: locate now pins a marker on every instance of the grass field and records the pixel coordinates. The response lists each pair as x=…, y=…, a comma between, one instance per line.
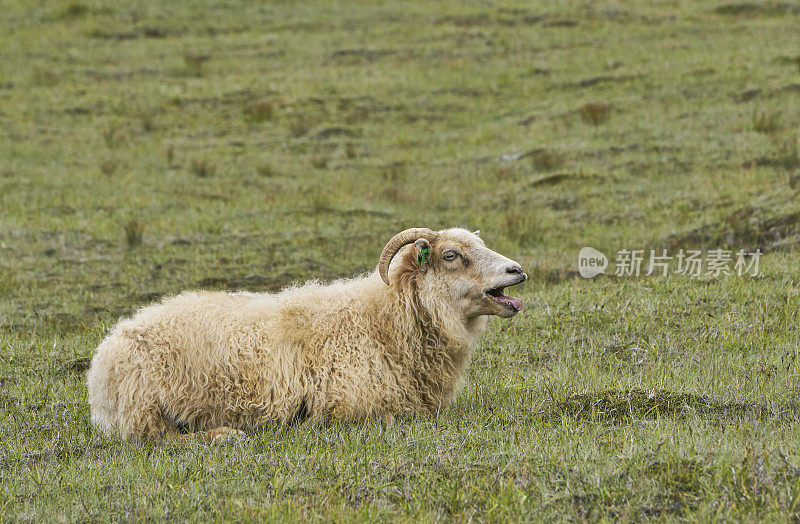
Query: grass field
x=151, y=147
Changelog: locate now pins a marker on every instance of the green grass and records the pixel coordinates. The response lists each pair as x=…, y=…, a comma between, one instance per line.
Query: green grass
x=152, y=147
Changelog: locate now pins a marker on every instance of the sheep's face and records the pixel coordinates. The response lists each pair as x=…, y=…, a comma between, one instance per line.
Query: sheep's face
x=458, y=269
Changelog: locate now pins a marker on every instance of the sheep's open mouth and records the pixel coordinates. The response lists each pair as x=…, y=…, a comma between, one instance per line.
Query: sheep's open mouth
x=510, y=302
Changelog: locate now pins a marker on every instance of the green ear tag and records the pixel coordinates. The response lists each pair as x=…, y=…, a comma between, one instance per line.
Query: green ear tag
x=423, y=255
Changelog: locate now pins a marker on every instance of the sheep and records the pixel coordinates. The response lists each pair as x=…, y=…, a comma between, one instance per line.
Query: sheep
x=397, y=340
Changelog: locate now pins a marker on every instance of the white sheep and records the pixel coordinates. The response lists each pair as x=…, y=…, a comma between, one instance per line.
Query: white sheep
x=397, y=340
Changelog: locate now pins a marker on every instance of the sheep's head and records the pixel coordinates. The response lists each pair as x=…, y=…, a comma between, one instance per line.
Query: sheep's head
x=453, y=266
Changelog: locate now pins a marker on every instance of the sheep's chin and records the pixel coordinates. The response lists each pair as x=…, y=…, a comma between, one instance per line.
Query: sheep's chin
x=504, y=311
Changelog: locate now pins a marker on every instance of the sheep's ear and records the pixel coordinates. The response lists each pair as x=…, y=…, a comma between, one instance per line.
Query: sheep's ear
x=423, y=251
x=477, y=232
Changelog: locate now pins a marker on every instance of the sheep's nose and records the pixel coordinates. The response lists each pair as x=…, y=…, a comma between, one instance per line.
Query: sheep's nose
x=516, y=269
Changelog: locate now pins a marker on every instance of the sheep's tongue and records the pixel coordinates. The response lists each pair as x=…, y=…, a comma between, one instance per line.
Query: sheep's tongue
x=511, y=301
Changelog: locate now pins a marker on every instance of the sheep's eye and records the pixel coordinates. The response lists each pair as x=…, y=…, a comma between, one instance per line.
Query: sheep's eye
x=450, y=255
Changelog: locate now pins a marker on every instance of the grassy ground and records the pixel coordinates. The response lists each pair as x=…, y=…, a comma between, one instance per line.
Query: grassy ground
x=152, y=147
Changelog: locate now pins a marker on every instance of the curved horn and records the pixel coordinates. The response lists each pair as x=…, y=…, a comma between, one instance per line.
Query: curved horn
x=401, y=239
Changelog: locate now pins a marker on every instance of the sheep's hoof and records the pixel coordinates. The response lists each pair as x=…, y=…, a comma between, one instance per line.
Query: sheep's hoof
x=224, y=435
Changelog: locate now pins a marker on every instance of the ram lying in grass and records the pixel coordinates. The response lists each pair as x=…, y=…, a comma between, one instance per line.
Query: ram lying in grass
x=397, y=340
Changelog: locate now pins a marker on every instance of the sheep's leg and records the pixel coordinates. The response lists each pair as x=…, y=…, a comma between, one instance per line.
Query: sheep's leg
x=224, y=434
x=220, y=435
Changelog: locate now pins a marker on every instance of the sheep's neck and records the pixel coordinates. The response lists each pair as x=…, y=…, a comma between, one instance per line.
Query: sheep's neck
x=442, y=348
